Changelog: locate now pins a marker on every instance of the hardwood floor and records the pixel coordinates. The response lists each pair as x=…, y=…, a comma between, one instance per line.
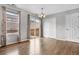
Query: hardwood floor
x=43, y=46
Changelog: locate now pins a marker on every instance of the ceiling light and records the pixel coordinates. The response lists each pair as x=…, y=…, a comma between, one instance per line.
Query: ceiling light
x=42, y=15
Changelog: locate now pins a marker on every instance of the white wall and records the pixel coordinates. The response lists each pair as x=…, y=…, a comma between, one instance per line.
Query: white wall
x=54, y=27
x=64, y=25
x=50, y=27
x=60, y=27
x=23, y=24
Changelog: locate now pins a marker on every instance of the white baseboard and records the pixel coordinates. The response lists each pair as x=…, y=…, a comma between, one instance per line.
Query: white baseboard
x=64, y=39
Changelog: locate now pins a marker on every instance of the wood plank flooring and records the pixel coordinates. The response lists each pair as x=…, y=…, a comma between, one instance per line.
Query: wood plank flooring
x=43, y=46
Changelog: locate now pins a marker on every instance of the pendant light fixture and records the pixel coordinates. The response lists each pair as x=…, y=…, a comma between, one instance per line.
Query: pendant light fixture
x=42, y=15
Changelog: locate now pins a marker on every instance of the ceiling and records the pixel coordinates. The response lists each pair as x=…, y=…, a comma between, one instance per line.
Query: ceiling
x=49, y=8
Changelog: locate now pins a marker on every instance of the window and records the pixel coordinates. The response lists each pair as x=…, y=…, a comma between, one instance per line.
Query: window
x=12, y=22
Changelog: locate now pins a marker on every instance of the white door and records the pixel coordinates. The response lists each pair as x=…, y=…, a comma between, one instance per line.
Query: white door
x=68, y=27
x=72, y=27
x=75, y=25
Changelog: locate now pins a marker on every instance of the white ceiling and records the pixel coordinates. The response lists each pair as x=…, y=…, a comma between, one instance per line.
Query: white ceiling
x=49, y=8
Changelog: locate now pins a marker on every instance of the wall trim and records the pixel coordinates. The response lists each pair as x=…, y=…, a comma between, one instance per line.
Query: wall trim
x=63, y=39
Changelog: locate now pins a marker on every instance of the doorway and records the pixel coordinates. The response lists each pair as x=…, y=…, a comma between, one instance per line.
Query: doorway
x=34, y=27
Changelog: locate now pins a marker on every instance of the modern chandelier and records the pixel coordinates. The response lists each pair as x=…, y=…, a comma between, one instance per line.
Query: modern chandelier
x=42, y=15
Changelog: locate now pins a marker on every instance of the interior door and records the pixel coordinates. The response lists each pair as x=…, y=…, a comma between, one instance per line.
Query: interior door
x=72, y=27
x=68, y=27
x=75, y=25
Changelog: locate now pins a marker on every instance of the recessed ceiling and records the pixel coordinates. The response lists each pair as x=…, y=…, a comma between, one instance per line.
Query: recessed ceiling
x=49, y=8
